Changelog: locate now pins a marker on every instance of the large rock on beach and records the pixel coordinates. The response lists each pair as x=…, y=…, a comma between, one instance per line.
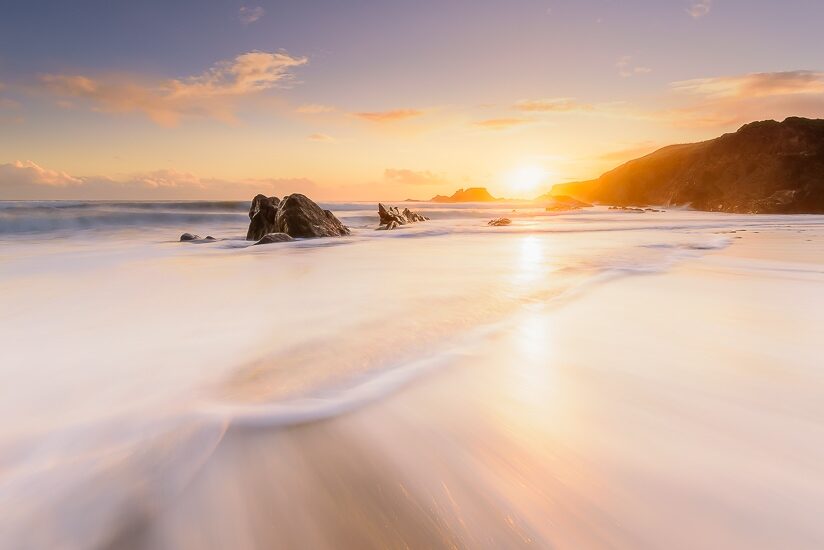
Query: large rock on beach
x=299, y=216
x=295, y=215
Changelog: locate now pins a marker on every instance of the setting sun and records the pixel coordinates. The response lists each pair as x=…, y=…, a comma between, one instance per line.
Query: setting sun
x=526, y=178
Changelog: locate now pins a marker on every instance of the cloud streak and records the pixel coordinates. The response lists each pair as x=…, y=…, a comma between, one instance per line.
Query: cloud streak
x=553, y=105
x=755, y=85
x=211, y=94
x=28, y=180
x=389, y=116
x=501, y=123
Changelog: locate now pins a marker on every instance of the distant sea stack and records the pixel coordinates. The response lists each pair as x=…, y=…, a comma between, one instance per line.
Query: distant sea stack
x=473, y=194
x=764, y=167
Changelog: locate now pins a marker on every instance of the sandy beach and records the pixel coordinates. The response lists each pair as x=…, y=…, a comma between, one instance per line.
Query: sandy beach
x=665, y=402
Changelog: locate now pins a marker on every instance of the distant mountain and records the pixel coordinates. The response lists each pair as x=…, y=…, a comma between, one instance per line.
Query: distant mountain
x=473, y=194
x=764, y=167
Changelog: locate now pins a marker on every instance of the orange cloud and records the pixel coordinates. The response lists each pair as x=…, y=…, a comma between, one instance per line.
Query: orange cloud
x=411, y=177
x=554, y=105
x=501, y=123
x=755, y=84
x=389, y=116
x=212, y=94
x=27, y=180
x=322, y=137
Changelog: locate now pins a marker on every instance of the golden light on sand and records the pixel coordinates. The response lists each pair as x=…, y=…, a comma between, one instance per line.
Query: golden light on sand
x=526, y=179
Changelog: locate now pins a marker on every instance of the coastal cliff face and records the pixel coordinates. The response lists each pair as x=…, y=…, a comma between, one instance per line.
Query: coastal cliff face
x=764, y=167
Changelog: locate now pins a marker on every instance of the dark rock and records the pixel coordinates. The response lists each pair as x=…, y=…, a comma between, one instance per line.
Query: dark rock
x=263, y=214
x=299, y=216
x=274, y=238
x=391, y=225
x=499, y=221
x=189, y=237
x=627, y=209
x=392, y=215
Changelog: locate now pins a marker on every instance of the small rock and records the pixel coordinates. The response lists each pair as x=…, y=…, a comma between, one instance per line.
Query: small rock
x=499, y=221
x=274, y=238
x=189, y=237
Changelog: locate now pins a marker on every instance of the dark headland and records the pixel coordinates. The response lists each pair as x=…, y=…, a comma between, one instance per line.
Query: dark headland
x=764, y=167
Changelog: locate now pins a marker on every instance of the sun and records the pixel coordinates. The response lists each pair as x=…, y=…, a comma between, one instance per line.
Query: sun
x=527, y=178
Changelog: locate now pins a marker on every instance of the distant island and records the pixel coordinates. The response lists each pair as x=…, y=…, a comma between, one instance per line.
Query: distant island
x=472, y=194
x=764, y=167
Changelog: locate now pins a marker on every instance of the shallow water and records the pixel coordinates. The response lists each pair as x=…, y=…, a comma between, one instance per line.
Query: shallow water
x=131, y=354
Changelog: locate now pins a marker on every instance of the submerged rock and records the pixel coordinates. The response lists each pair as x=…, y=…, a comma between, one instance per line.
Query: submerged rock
x=563, y=203
x=196, y=239
x=299, y=216
x=499, y=221
x=628, y=209
x=274, y=238
x=262, y=216
x=392, y=217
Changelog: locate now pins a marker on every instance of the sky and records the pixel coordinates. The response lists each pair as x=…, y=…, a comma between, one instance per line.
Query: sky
x=381, y=99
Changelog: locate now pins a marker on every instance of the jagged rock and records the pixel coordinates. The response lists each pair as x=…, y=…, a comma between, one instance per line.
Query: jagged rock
x=274, y=238
x=299, y=216
x=189, y=237
x=262, y=216
x=394, y=215
x=391, y=225
x=499, y=221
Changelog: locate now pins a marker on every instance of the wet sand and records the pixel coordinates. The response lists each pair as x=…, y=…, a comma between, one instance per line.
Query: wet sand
x=673, y=410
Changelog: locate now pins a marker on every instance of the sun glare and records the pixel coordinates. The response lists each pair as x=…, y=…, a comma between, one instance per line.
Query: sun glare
x=526, y=178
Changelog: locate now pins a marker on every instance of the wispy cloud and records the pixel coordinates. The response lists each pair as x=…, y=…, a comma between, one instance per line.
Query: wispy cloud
x=412, y=177
x=552, y=105
x=501, y=123
x=28, y=171
x=700, y=8
x=28, y=180
x=733, y=100
x=314, y=109
x=322, y=137
x=755, y=84
x=213, y=93
x=250, y=14
x=389, y=116
x=627, y=67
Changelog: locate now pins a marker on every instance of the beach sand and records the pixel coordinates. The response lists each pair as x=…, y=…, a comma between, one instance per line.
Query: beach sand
x=675, y=410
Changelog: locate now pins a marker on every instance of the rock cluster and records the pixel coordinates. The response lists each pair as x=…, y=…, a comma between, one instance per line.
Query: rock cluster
x=392, y=217
x=295, y=215
x=190, y=238
x=499, y=221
